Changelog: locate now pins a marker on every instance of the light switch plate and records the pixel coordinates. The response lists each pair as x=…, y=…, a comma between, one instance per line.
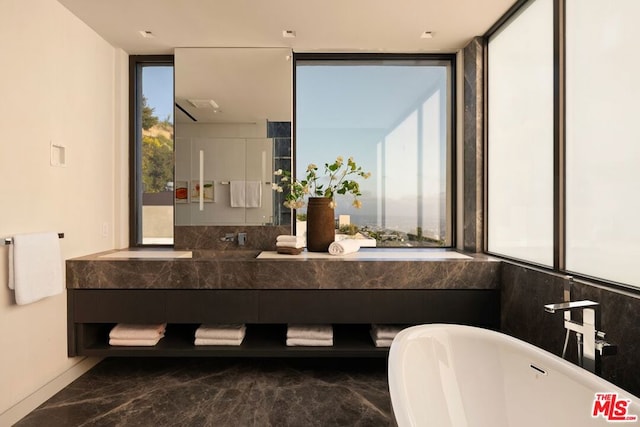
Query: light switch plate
x=58, y=155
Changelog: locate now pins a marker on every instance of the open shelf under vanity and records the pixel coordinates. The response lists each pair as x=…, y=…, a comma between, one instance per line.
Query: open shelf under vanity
x=261, y=340
x=266, y=312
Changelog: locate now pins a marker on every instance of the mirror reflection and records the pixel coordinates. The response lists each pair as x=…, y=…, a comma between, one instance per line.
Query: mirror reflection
x=233, y=129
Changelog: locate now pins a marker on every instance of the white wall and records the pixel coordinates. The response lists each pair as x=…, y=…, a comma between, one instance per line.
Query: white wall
x=59, y=82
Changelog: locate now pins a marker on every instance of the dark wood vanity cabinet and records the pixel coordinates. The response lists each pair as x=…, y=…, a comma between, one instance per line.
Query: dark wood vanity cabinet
x=92, y=313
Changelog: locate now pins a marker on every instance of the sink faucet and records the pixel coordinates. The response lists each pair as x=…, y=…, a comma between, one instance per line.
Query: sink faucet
x=591, y=343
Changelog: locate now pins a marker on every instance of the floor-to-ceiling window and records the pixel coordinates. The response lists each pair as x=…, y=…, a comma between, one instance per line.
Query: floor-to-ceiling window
x=602, y=142
x=394, y=115
x=520, y=132
x=151, y=150
x=562, y=147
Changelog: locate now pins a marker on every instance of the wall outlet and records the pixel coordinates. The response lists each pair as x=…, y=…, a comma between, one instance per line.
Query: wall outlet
x=105, y=229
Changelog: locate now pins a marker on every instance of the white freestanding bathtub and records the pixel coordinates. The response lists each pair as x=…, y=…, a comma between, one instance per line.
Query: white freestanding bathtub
x=454, y=375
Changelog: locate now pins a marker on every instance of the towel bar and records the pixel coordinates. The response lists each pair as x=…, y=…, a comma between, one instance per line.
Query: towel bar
x=229, y=182
x=9, y=240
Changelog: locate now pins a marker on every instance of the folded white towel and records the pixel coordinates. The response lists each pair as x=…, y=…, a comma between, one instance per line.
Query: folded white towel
x=382, y=343
x=343, y=247
x=289, y=238
x=35, y=266
x=292, y=342
x=320, y=332
x=217, y=341
x=385, y=331
x=222, y=331
x=134, y=342
x=123, y=331
x=298, y=244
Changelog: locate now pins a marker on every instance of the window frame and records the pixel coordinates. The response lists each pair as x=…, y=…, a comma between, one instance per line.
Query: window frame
x=452, y=116
x=136, y=62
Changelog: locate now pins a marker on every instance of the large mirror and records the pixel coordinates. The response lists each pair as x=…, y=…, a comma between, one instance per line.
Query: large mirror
x=232, y=130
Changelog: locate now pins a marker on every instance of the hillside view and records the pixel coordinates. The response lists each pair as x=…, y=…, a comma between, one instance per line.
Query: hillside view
x=157, y=151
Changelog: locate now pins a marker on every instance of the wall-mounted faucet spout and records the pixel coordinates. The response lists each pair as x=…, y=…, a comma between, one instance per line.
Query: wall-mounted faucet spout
x=572, y=305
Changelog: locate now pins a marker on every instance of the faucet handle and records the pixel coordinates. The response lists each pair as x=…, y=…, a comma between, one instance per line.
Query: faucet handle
x=242, y=239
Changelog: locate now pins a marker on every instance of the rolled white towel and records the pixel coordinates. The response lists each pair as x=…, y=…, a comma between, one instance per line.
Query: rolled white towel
x=343, y=247
x=134, y=342
x=292, y=342
x=320, y=332
x=298, y=244
x=217, y=341
x=221, y=331
x=124, y=331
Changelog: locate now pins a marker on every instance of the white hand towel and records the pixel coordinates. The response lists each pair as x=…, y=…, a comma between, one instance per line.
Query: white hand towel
x=321, y=332
x=35, y=267
x=237, y=194
x=292, y=342
x=253, y=194
x=343, y=247
x=125, y=331
x=226, y=331
x=297, y=244
x=136, y=342
x=217, y=341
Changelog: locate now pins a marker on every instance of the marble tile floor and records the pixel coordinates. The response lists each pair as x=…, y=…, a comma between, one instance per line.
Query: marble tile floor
x=222, y=392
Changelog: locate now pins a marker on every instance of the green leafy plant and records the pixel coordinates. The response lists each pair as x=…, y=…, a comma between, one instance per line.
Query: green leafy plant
x=339, y=178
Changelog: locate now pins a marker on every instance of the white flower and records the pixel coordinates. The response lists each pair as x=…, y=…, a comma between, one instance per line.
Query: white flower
x=284, y=179
x=311, y=167
x=333, y=204
x=276, y=187
x=278, y=172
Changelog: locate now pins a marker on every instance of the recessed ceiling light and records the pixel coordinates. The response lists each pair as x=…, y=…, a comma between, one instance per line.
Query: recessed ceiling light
x=147, y=34
x=289, y=34
x=426, y=35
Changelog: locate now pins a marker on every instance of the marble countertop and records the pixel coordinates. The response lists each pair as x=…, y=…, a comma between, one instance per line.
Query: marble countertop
x=388, y=268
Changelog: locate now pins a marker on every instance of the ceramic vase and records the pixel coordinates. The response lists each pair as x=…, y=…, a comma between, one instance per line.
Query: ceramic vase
x=320, y=224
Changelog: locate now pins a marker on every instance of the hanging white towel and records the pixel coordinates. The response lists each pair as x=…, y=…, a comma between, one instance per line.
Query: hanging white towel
x=245, y=194
x=253, y=194
x=35, y=266
x=237, y=194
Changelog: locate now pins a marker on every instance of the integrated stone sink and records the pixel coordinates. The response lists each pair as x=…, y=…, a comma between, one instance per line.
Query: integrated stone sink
x=374, y=255
x=238, y=254
x=148, y=254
